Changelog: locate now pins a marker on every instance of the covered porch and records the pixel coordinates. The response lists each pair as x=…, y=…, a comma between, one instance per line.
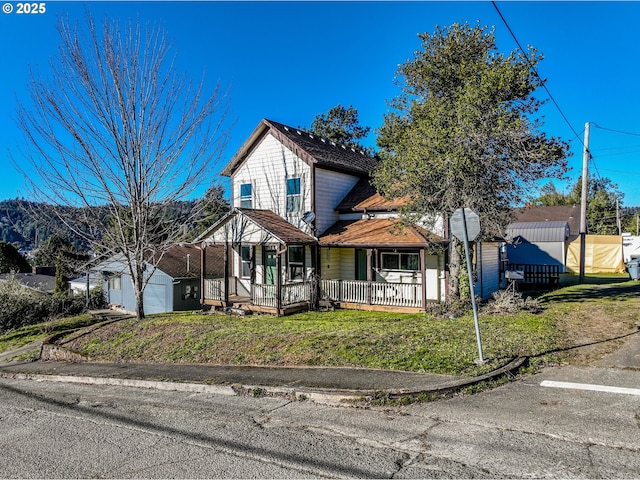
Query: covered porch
x=368, y=264
x=268, y=264
x=380, y=264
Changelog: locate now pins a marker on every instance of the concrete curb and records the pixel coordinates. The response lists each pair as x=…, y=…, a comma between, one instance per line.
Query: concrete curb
x=316, y=395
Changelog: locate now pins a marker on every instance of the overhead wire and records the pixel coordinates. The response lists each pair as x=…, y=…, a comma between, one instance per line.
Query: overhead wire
x=535, y=70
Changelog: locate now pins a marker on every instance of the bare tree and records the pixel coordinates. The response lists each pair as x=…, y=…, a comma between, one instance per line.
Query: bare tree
x=115, y=131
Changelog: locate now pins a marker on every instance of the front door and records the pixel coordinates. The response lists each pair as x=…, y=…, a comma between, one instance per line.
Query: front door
x=361, y=264
x=270, y=266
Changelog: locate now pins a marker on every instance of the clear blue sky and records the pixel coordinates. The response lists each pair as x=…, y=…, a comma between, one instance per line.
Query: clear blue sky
x=289, y=61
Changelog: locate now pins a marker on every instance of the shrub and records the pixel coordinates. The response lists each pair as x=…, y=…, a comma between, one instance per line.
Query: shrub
x=20, y=306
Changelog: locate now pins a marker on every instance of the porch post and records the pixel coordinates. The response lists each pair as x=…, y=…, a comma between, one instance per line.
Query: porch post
x=203, y=271
x=278, y=282
x=423, y=267
x=314, y=288
x=369, y=275
x=226, y=274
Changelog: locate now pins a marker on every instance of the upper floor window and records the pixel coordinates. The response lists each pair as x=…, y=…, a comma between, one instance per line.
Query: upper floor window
x=246, y=195
x=293, y=195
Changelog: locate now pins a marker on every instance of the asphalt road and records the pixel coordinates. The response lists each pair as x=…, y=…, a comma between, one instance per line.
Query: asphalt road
x=522, y=429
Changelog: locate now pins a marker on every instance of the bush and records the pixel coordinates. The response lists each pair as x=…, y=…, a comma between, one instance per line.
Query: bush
x=20, y=306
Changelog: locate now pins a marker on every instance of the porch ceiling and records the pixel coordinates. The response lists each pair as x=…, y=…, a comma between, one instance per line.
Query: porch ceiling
x=377, y=232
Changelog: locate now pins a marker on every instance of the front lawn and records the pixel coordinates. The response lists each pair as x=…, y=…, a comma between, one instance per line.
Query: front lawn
x=595, y=316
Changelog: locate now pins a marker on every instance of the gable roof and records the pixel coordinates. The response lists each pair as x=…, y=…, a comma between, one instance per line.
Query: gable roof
x=310, y=148
x=539, y=231
x=179, y=261
x=185, y=261
x=556, y=213
x=377, y=232
x=363, y=197
x=272, y=223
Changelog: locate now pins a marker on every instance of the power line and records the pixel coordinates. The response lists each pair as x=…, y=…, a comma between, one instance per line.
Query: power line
x=615, y=131
x=535, y=70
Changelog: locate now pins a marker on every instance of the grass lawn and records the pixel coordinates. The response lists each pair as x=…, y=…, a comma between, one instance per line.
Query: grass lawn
x=575, y=315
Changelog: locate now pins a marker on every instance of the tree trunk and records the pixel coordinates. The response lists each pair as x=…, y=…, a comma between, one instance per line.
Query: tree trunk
x=454, y=269
x=139, y=305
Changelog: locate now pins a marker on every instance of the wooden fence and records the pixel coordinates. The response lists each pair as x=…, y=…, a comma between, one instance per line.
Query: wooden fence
x=538, y=274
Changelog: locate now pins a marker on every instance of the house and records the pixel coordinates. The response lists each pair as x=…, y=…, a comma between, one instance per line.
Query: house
x=37, y=282
x=306, y=225
x=173, y=286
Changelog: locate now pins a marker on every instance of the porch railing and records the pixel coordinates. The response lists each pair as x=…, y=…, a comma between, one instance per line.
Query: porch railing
x=214, y=289
x=349, y=291
x=381, y=293
x=292, y=293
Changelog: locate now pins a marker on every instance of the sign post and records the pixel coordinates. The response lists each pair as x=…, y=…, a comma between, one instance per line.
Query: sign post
x=465, y=226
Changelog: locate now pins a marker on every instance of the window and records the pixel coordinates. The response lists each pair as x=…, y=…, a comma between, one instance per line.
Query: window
x=296, y=263
x=293, y=195
x=246, y=195
x=115, y=283
x=400, y=261
x=245, y=261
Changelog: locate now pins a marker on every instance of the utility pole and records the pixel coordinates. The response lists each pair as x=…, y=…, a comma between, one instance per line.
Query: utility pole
x=583, y=201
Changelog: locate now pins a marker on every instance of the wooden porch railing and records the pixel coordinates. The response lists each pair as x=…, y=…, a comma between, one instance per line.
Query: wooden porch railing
x=538, y=274
x=349, y=291
x=382, y=293
x=214, y=289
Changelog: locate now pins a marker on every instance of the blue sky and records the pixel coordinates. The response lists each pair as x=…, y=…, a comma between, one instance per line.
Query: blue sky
x=289, y=61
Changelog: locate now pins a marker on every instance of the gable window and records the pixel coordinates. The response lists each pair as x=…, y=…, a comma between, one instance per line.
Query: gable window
x=293, y=195
x=296, y=263
x=400, y=261
x=245, y=261
x=246, y=195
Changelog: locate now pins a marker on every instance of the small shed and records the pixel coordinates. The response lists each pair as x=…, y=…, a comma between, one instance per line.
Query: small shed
x=173, y=286
x=538, y=243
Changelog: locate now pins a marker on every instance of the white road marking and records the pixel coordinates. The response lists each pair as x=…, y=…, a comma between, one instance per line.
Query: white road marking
x=588, y=386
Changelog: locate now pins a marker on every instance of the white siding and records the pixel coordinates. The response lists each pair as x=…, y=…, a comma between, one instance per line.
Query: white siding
x=338, y=263
x=331, y=187
x=348, y=263
x=489, y=270
x=267, y=169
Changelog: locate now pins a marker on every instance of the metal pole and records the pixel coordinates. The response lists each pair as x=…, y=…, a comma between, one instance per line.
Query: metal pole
x=473, y=297
x=583, y=201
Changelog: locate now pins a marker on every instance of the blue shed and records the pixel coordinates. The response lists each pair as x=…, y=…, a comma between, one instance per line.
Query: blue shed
x=538, y=243
x=173, y=286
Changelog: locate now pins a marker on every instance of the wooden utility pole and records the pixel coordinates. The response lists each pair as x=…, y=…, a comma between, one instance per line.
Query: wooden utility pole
x=583, y=201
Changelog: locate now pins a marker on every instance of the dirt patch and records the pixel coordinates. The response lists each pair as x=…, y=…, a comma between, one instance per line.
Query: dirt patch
x=597, y=322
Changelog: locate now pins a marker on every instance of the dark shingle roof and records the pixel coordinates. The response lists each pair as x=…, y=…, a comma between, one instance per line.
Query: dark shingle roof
x=311, y=149
x=184, y=261
x=557, y=213
x=277, y=226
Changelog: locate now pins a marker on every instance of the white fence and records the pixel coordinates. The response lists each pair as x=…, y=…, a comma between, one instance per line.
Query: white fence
x=381, y=293
x=349, y=291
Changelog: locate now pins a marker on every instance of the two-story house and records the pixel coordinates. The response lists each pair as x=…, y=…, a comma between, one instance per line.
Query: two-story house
x=306, y=224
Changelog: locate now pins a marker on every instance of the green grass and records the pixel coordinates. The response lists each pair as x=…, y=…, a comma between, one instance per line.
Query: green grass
x=410, y=342
x=30, y=333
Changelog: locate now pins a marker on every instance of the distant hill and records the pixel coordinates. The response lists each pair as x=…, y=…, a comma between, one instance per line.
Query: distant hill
x=18, y=228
